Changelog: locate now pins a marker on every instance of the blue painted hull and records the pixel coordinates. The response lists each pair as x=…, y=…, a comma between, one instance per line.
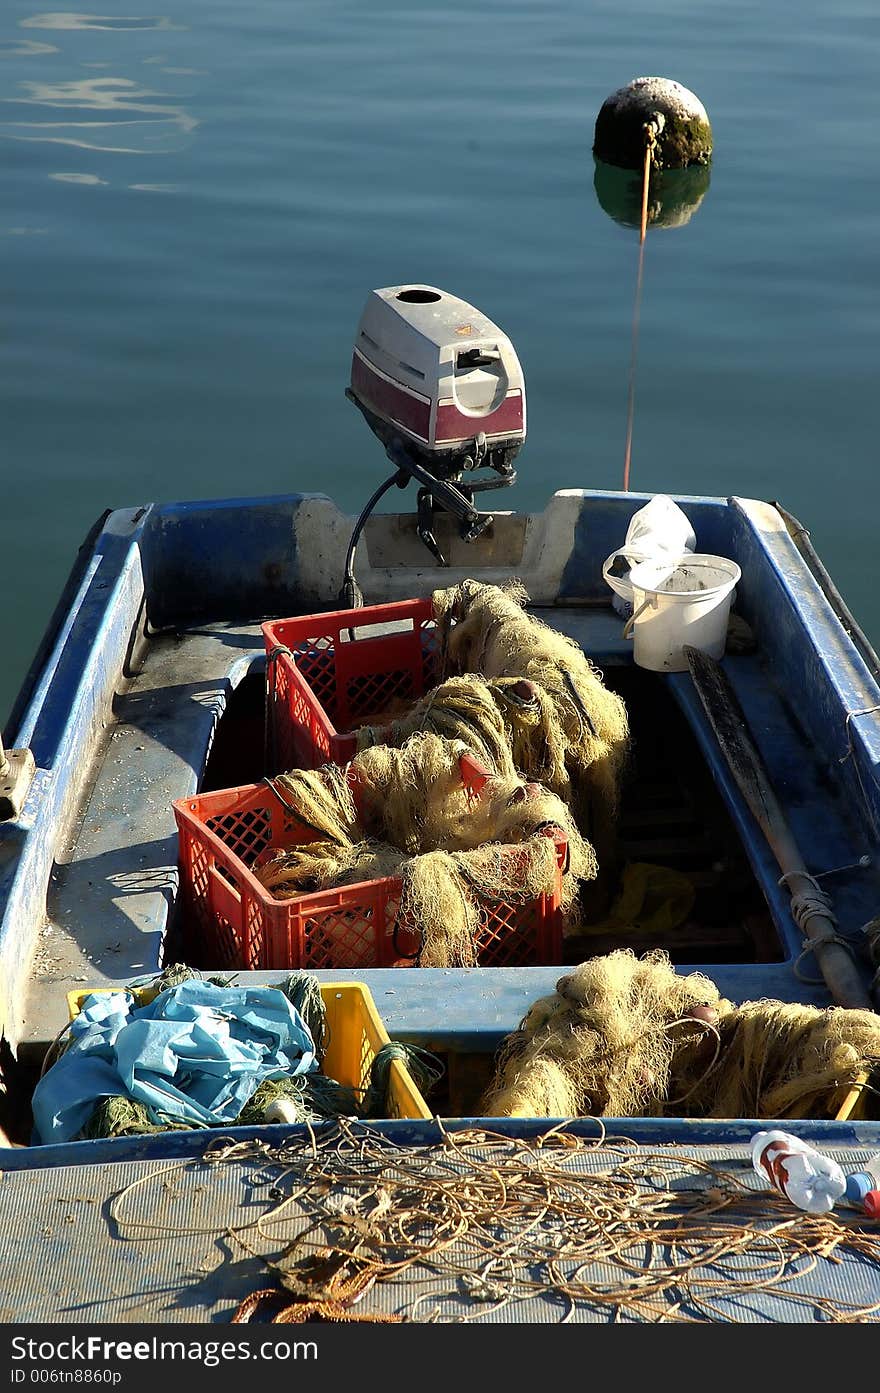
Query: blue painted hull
x=86, y=894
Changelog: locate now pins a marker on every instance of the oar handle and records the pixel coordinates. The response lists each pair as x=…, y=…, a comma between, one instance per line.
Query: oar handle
x=727, y=719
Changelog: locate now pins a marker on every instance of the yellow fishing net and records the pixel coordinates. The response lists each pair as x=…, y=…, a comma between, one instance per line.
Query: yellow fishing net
x=574, y=735
x=624, y=1036
x=529, y=706
x=407, y=813
x=650, y=899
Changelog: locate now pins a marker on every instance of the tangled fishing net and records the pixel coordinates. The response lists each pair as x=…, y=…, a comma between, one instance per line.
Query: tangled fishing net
x=510, y=724
x=783, y=1059
x=564, y=726
x=407, y=813
x=349, y=1225
x=469, y=709
x=624, y=1037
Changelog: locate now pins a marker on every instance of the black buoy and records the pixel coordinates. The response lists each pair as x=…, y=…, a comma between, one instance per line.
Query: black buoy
x=681, y=133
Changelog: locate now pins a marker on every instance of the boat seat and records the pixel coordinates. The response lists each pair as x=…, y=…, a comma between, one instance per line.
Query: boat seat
x=598, y=630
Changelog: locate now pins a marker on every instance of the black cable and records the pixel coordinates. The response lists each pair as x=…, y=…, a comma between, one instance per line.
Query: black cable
x=350, y=596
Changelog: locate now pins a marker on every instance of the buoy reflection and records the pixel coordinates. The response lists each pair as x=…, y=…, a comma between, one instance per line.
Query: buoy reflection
x=674, y=195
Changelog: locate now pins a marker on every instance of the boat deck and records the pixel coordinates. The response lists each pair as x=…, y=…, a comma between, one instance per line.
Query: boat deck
x=160, y=1236
x=112, y=890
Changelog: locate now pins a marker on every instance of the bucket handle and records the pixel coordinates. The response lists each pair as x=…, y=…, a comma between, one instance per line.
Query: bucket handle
x=628, y=626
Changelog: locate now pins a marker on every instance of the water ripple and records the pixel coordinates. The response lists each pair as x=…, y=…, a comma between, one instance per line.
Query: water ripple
x=24, y=48
x=77, y=178
x=67, y=21
x=113, y=96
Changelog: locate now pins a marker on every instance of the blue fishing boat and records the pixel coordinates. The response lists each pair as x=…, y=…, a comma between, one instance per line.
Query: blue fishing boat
x=149, y=689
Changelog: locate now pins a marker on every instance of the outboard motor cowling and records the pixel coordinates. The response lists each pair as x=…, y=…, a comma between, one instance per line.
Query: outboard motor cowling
x=442, y=388
x=434, y=370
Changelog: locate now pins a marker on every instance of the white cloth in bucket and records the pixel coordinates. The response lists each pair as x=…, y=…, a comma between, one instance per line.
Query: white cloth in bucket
x=657, y=531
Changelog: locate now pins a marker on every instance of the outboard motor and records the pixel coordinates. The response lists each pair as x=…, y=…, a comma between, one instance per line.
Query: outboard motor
x=442, y=388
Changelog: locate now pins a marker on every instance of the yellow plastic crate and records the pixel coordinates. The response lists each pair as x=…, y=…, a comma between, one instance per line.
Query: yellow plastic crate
x=354, y=1036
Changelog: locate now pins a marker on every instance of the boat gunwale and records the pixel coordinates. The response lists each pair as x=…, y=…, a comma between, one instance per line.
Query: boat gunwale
x=646, y=1132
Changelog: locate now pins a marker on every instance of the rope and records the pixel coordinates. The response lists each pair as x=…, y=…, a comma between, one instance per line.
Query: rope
x=861, y=865
x=650, y=141
x=303, y=991
x=424, y=1067
x=871, y=930
x=850, y=753
x=269, y=750
x=569, y=1222
x=807, y=905
x=809, y=946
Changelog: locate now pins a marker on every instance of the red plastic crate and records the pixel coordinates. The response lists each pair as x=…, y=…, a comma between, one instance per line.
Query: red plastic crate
x=239, y=924
x=328, y=672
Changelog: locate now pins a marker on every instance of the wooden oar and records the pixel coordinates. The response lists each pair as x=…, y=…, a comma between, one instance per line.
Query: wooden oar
x=810, y=906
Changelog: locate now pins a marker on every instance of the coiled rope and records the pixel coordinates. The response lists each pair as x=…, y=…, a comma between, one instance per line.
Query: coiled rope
x=807, y=904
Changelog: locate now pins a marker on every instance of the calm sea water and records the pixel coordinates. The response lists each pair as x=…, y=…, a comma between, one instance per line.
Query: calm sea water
x=196, y=202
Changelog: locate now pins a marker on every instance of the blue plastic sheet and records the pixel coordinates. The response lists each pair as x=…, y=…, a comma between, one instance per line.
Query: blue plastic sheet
x=195, y=1054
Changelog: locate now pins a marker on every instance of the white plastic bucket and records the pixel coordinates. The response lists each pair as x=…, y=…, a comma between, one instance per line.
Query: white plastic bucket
x=678, y=602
